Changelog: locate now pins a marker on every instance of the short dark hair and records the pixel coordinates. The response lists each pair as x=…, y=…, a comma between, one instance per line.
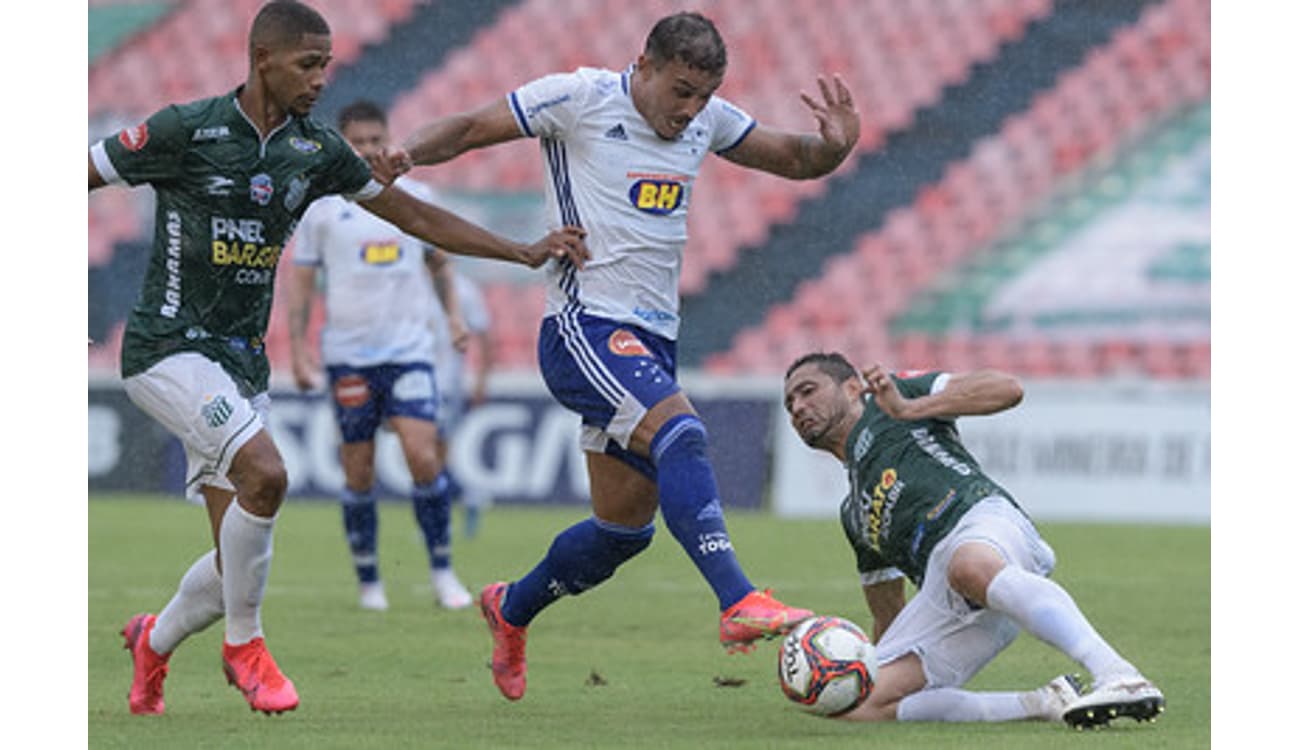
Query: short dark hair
x=689, y=37
x=831, y=363
x=282, y=23
x=362, y=110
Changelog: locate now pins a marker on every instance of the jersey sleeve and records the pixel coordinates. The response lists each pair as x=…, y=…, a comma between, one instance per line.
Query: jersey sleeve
x=548, y=107
x=913, y=383
x=730, y=124
x=347, y=174
x=150, y=152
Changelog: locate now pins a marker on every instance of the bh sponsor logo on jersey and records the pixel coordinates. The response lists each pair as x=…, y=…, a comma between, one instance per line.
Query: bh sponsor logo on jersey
x=882, y=500
x=304, y=145
x=260, y=189
x=133, y=139
x=216, y=411
x=240, y=242
x=383, y=253
x=657, y=195
x=351, y=391
x=625, y=344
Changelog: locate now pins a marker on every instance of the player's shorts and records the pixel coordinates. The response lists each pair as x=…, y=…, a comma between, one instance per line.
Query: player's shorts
x=610, y=373
x=954, y=639
x=365, y=396
x=200, y=404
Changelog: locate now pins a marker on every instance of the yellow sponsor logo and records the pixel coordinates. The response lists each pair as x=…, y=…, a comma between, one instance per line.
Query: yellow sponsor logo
x=244, y=254
x=381, y=253
x=658, y=197
x=883, y=497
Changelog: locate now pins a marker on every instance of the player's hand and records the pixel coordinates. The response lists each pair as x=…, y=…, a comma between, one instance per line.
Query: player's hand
x=390, y=164
x=881, y=386
x=837, y=119
x=459, y=333
x=566, y=243
x=306, y=374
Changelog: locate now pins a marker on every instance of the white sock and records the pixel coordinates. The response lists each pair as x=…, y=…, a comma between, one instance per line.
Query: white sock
x=246, y=564
x=955, y=704
x=196, y=604
x=1046, y=610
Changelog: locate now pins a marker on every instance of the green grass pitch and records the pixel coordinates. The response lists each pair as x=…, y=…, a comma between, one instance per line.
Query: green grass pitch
x=633, y=663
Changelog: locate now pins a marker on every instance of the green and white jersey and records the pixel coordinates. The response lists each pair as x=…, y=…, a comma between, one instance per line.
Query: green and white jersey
x=227, y=202
x=910, y=482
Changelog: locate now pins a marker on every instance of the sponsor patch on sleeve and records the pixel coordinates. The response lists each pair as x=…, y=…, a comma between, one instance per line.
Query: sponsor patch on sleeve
x=133, y=139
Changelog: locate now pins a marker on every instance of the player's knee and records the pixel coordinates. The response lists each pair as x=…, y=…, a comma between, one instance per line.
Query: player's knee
x=972, y=568
x=683, y=435
x=262, y=482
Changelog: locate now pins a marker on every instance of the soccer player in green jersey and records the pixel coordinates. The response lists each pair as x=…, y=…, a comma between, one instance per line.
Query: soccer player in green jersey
x=920, y=507
x=233, y=174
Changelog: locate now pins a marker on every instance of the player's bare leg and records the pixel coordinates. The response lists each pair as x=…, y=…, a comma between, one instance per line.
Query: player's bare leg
x=245, y=544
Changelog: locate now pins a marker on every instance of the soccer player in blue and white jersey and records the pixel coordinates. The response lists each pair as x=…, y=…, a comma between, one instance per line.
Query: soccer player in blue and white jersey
x=622, y=150
x=378, y=351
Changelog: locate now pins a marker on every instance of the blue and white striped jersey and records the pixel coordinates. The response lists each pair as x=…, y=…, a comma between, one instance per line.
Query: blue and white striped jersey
x=608, y=172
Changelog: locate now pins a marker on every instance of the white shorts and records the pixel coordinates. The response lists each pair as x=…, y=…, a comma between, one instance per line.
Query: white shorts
x=200, y=404
x=953, y=639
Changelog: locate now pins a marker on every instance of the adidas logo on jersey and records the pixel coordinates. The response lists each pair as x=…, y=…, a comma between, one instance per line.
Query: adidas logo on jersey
x=617, y=133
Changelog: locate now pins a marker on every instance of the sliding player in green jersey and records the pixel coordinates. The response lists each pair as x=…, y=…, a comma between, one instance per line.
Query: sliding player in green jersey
x=233, y=174
x=920, y=507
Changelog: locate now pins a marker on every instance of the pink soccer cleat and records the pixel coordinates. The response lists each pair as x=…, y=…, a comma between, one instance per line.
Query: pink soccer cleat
x=758, y=615
x=250, y=668
x=146, y=696
x=509, y=666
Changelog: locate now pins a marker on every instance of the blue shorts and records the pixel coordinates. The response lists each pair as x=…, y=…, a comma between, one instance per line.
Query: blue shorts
x=366, y=396
x=610, y=373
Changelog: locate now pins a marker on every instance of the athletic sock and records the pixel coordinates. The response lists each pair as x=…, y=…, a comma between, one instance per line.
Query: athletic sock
x=688, y=499
x=246, y=565
x=432, y=504
x=954, y=704
x=196, y=604
x=1044, y=609
x=361, y=525
x=579, y=558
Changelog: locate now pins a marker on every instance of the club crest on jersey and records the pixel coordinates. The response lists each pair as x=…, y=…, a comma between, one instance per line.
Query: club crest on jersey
x=625, y=344
x=304, y=145
x=260, y=189
x=658, y=197
x=216, y=411
x=293, y=197
x=381, y=253
x=133, y=139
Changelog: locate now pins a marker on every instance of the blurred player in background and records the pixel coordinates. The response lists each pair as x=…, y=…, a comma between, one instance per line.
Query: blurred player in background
x=458, y=390
x=622, y=151
x=233, y=174
x=920, y=507
x=378, y=352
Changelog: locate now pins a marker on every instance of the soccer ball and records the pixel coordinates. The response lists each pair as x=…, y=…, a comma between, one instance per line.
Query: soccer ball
x=827, y=665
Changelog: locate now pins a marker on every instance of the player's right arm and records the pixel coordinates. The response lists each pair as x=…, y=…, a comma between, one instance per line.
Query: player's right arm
x=448, y=137
x=885, y=599
x=302, y=289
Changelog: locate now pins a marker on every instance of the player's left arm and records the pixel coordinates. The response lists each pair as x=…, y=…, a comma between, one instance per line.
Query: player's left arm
x=453, y=234
x=444, y=285
x=802, y=156
x=964, y=394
